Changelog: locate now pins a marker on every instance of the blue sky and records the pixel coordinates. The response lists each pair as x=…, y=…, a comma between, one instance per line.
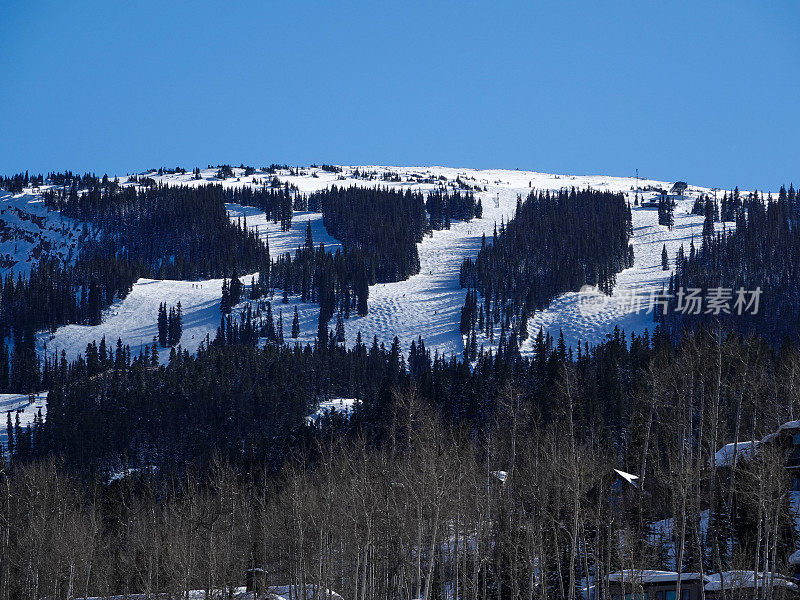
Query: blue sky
x=703, y=91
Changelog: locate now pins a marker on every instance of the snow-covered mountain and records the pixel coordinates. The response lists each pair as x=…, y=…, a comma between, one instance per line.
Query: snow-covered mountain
x=428, y=304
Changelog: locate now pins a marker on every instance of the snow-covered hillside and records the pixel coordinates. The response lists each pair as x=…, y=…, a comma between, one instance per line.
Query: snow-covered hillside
x=30, y=232
x=427, y=304
x=134, y=319
x=20, y=406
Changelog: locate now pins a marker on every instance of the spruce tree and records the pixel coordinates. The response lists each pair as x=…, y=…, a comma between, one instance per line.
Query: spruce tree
x=295, y=324
x=225, y=303
x=340, y=336
x=309, y=237
x=322, y=330
x=235, y=289
x=664, y=258
x=280, y=327
x=4, y=372
x=171, y=326
x=708, y=225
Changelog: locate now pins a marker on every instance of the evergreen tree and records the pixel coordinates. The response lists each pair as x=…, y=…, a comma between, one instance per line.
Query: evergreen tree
x=225, y=304
x=666, y=209
x=4, y=366
x=340, y=336
x=295, y=324
x=708, y=224
x=309, y=237
x=235, y=289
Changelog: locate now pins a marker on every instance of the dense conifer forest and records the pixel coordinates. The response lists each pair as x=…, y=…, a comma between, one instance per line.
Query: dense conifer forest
x=556, y=242
x=753, y=268
x=384, y=225
x=173, y=232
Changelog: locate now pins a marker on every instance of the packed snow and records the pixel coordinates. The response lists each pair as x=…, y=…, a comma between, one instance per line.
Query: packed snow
x=724, y=457
x=281, y=242
x=650, y=576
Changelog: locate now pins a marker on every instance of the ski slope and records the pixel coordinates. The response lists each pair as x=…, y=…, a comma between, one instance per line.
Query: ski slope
x=427, y=304
x=134, y=319
x=629, y=307
x=19, y=405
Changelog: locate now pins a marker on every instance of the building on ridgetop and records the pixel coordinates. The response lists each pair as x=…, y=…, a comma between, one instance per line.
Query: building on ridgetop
x=678, y=188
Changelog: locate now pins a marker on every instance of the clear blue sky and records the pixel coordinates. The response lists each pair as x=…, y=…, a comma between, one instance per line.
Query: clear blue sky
x=703, y=91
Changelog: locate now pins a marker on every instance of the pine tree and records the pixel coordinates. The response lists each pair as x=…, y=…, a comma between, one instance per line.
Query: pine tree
x=174, y=325
x=225, y=303
x=4, y=372
x=254, y=292
x=235, y=289
x=340, y=336
x=708, y=225
x=271, y=333
x=666, y=208
x=523, y=325
x=296, y=324
x=95, y=303
x=280, y=327
x=362, y=294
x=322, y=330
x=171, y=326
x=664, y=258
x=309, y=237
